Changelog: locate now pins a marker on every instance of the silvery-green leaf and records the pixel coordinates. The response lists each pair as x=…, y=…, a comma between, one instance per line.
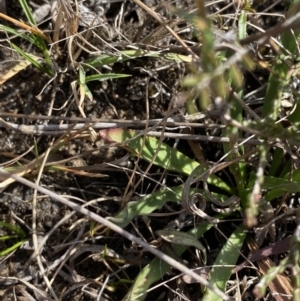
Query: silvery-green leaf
x=182, y=238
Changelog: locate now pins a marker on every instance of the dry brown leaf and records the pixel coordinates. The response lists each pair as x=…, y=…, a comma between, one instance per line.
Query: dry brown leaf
x=13, y=71
x=280, y=287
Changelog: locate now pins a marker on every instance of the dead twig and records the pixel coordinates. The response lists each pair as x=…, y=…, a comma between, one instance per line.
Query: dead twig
x=58, y=130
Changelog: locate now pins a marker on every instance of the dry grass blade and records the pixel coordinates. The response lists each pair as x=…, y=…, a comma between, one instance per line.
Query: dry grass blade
x=280, y=287
x=13, y=71
x=31, y=29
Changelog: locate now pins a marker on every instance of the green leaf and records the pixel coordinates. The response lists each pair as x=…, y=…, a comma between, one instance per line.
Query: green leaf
x=242, y=27
x=27, y=11
x=281, y=184
x=106, y=76
x=279, y=77
x=148, y=204
x=228, y=256
x=37, y=40
x=125, y=55
x=277, y=186
x=276, y=162
x=289, y=38
x=20, y=235
x=167, y=157
x=13, y=228
x=33, y=60
x=154, y=271
x=13, y=31
x=184, y=239
x=84, y=89
x=12, y=248
x=8, y=237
